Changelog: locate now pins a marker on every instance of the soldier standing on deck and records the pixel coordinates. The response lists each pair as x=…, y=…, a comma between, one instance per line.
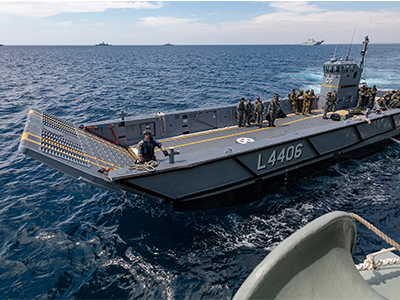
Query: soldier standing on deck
x=293, y=100
x=334, y=95
x=272, y=110
x=330, y=103
x=370, y=99
x=240, y=112
x=311, y=97
x=374, y=92
x=259, y=112
x=359, y=100
x=248, y=111
x=300, y=99
x=306, y=103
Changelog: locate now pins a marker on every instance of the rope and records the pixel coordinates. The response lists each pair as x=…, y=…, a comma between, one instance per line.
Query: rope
x=112, y=130
x=163, y=123
x=149, y=166
x=361, y=118
x=369, y=262
x=102, y=137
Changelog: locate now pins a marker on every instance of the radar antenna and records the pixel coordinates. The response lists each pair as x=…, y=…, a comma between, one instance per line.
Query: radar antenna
x=348, y=51
x=333, y=59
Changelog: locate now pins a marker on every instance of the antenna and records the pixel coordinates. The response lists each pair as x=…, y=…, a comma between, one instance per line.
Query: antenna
x=333, y=59
x=348, y=51
x=364, y=52
x=370, y=21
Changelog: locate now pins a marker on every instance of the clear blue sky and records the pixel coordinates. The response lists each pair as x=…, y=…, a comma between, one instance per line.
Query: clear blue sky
x=196, y=22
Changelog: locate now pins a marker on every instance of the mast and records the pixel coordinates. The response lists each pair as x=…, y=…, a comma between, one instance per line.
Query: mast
x=364, y=52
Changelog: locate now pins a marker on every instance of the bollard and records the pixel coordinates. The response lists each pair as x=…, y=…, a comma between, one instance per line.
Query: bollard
x=172, y=153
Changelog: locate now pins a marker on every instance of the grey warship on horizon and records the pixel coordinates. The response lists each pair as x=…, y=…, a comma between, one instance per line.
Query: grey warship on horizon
x=102, y=44
x=219, y=164
x=312, y=42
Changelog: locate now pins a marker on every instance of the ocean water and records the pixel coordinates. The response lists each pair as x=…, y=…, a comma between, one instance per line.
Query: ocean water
x=61, y=239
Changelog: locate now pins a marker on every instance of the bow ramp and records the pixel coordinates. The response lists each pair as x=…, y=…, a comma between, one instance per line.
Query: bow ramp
x=72, y=150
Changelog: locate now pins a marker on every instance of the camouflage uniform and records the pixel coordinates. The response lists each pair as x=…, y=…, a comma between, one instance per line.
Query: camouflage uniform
x=293, y=100
x=311, y=97
x=240, y=112
x=259, y=112
x=272, y=111
x=306, y=103
x=361, y=96
x=300, y=99
x=248, y=112
x=370, y=100
x=330, y=103
x=374, y=92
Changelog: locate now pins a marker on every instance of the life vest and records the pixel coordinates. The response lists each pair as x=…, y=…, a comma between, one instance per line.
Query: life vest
x=145, y=148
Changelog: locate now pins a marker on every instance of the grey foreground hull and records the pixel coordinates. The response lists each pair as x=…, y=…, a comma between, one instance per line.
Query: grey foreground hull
x=316, y=263
x=220, y=167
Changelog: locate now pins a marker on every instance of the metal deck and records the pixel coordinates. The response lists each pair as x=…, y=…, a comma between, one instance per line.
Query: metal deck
x=225, y=137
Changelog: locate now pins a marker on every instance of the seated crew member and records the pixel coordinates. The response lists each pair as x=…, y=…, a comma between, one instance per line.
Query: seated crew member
x=146, y=147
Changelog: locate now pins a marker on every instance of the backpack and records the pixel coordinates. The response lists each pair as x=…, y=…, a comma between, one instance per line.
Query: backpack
x=335, y=117
x=340, y=115
x=281, y=114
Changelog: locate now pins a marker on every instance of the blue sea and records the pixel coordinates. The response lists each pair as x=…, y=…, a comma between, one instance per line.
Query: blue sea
x=62, y=239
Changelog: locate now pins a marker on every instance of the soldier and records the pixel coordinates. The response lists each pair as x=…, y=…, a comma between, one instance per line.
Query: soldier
x=240, y=112
x=388, y=97
x=364, y=97
x=248, y=112
x=360, y=98
x=293, y=100
x=330, y=102
x=306, y=103
x=300, y=99
x=380, y=106
x=396, y=95
x=395, y=103
x=272, y=110
x=370, y=99
x=311, y=97
x=374, y=92
x=146, y=147
x=334, y=95
x=259, y=112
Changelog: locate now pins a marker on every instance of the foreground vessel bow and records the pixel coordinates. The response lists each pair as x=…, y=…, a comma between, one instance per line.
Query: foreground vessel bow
x=315, y=263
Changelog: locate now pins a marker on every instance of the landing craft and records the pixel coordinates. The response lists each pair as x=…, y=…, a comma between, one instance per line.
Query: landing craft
x=212, y=162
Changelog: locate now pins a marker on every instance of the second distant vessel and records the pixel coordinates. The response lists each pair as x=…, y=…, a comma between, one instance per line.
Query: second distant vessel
x=103, y=44
x=312, y=42
x=168, y=44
